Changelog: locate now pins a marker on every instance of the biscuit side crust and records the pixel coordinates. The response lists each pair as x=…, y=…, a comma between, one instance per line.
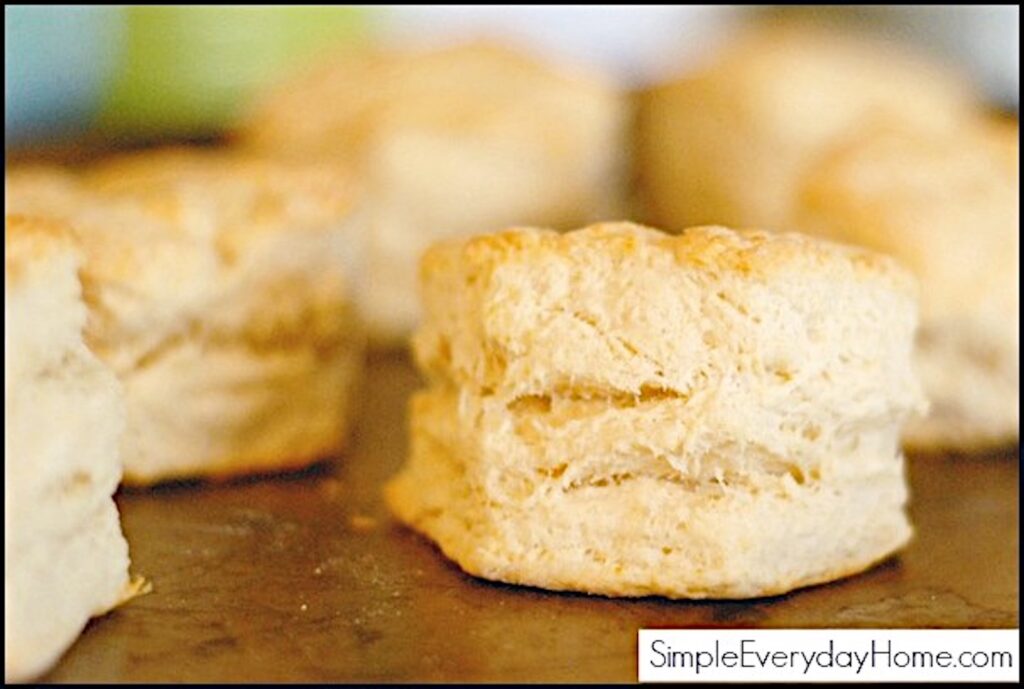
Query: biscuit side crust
x=249, y=410
x=65, y=557
x=642, y=536
x=572, y=443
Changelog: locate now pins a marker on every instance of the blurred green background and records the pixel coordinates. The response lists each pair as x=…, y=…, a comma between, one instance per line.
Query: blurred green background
x=188, y=69
x=155, y=71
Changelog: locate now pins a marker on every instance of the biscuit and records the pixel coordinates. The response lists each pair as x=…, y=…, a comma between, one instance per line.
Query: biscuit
x=727, y=143
x=221, y=294
x=949, y=209
x=500, y=309
x=618, y=411
x=450, y=141
x=65, y=558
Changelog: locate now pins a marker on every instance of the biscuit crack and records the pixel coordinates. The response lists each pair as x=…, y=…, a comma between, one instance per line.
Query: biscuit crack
x=542, y=404
x=609, y=338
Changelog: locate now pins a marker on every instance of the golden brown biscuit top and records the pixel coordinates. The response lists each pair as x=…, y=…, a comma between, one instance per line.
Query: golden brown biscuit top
x=260, y=186
x=175, y=240
x=746, y=253
x=474, y=89
x=240, y=198
x=175, y=211
x=120, y=240
x=892, y=168
x=773, y=50
x=39, y=189
x=800, y=81
x=28, y=240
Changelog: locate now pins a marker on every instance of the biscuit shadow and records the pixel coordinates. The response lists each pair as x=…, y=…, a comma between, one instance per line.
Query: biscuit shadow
x=322, y=468
x=992, y=453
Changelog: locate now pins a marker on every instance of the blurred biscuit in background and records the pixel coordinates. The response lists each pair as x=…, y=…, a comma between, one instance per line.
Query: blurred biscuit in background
x=65, y=559
x=450, y=142
x=220, y=292
x=40, y=188
x=948, y=208
x=728, y=142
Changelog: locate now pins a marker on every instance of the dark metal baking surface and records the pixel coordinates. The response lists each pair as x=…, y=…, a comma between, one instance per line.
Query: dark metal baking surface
x=306, y=578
